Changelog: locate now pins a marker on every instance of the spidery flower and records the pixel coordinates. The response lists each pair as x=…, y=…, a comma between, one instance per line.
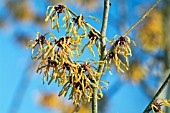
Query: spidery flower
x=74, y=27
x=92, y=40
x=54, y=14
x=80, y=22
x=158, y=103
x=41, y=42
x=120, y=48
x=67, y=45
x=46, y=65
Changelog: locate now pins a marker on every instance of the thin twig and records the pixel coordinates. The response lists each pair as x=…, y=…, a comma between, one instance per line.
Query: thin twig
x=103, y=33
x=148, y=108
x=139, y=21
x=142, y=18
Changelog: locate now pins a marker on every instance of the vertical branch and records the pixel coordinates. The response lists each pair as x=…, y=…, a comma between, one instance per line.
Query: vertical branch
x=103, y=52
x=103, y=38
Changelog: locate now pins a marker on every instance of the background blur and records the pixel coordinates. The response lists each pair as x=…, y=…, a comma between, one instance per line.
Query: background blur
x=21, y=89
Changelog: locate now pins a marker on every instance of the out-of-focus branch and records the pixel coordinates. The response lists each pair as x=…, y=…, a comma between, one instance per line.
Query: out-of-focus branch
x=20, y=91
x=166, y=24
x=142, y=18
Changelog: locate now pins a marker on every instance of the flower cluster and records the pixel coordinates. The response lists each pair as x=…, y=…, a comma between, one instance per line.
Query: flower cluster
x=81, y=82
x=120, y=49
x=55, y=55
x=156, y=106
x=72, y=25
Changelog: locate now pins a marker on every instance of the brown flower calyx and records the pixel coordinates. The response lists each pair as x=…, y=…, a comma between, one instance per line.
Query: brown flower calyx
x=51, y=63
x=92, y=36
x=41, y=40
x=59, y=9
x=121, y=41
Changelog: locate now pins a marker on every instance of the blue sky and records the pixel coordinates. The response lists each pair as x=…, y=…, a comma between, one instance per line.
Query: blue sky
x=14, y=60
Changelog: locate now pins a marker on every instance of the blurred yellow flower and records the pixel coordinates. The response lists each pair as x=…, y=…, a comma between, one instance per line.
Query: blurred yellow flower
x=21, y=10
x=52, y=101
x=151, y=32
x=87, y=4
x=136, y=72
